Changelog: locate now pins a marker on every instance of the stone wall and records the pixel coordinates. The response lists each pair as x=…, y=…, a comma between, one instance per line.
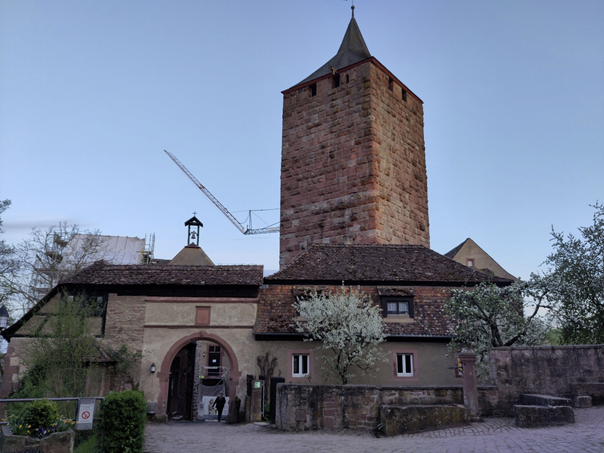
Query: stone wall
x=353, y=165
x=549, y=370
x=309, y=407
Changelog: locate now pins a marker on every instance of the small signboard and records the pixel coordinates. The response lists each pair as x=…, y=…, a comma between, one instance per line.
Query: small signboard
x=85, y=413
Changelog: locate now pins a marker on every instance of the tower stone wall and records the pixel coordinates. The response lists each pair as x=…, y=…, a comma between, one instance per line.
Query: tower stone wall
x=353, y=166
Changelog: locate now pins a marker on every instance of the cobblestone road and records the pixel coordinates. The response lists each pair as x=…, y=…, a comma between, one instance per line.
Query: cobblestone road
x=494, y=435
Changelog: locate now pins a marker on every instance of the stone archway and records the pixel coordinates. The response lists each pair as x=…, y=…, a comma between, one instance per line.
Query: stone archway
x=164, y=372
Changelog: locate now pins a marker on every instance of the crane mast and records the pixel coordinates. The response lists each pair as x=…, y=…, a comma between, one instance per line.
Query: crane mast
x=218, y=204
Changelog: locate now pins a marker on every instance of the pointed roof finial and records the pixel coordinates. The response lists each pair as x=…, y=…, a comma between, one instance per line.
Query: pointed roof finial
x=352, y=8
x=352, y=50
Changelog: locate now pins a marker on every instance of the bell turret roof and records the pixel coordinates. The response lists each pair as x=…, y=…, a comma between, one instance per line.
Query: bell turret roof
x=352, y=50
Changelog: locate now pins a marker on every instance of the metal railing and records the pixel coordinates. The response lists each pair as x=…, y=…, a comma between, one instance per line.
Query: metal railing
x=78, y=419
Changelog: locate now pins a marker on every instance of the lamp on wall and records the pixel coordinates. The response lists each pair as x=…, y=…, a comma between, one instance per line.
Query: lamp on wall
x=3, y=317
x=152, y=368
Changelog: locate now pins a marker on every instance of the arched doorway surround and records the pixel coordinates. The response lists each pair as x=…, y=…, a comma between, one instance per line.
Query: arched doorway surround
x=164, y=372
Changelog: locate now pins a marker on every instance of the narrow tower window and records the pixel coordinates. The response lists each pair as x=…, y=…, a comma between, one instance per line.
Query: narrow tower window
x=336, y=80
x=347, y=78
x=390, y=83
x=313, y=89
x=404, y=95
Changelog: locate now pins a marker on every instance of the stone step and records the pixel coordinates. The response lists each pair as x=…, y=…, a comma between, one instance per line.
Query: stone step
x=533, y=399
x=534, y=416
x=397, y=420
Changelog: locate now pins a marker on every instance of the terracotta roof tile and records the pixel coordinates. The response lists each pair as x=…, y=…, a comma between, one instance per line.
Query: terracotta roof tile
x=102, y=273
x=377, y=263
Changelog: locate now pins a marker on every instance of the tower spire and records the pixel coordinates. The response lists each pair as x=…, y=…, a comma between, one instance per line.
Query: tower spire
x=352, y=50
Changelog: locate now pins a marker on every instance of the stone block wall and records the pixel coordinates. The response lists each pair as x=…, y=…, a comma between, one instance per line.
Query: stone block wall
x=125, y=322
x=310, y=407
x=353, y=164
x=548, y=370
x=124, y=325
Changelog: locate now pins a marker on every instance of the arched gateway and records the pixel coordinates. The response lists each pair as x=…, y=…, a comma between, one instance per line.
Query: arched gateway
x=164, y=372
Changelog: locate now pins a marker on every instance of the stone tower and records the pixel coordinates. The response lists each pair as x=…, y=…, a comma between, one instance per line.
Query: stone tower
x=353, y=167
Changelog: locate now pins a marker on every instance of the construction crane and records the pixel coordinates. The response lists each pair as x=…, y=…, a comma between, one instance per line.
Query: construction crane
x=218, y=204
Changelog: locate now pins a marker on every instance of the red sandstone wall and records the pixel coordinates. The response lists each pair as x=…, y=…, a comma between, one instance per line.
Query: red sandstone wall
x=398, y=128
x=309, y=407
x=353, y=166
x=548, y=370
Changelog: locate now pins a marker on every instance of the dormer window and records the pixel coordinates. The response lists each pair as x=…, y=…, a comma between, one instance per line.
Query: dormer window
x=393, y=306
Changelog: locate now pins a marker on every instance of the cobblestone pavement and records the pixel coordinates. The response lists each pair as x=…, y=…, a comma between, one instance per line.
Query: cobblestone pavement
x=494, y=435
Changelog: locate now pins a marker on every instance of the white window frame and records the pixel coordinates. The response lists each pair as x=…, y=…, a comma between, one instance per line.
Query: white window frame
x=298, y=358
x=404, y=372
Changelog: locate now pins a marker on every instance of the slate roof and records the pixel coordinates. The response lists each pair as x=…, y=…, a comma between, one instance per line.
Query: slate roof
x=408, y=264
x=103, y=273
x=352, y=50
x=451, y=253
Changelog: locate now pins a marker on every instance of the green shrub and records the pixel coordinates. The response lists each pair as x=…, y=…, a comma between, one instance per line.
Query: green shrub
x=123, y=422
x=39, y=418
x=42, y=414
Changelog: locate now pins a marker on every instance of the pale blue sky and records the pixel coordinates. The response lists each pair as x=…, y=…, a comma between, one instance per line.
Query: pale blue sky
x=92, y=92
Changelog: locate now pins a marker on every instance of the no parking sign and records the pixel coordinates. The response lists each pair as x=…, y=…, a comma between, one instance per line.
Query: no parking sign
x=85, y=413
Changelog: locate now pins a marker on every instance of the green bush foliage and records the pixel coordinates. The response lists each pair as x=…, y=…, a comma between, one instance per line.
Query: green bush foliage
x=123, y=422
x=42, y=413
x=39, y=418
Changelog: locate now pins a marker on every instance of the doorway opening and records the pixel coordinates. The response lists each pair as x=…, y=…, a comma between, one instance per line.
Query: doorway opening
x=199, y=373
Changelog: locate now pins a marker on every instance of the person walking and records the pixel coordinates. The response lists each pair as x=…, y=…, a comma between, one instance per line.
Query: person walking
x=219, y=403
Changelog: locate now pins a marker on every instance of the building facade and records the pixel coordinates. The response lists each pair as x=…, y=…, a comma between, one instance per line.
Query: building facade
x=354, y=214
x=353, y=168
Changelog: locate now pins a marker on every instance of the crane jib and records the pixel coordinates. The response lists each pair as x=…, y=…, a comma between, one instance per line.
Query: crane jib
x=217, y=203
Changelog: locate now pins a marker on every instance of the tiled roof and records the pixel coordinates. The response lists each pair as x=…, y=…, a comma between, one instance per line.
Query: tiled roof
x=352, y=50
x=102, y=273
x=376, y=263
x=451, y=253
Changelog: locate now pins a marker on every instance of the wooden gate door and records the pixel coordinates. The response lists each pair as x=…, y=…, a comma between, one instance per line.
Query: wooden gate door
x=272, y=411
x=182, y=373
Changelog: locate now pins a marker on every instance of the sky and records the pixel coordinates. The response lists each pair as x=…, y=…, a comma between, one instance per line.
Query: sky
x=91, y=93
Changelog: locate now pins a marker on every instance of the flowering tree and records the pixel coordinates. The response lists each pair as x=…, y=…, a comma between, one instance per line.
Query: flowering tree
x=575, y=282
x=491, y=316
x=346, y=323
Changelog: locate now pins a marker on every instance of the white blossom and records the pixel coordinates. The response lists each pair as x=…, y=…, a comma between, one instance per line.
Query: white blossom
x=348, y=324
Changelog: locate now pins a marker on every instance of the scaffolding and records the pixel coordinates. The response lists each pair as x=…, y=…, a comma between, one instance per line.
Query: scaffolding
x=212, y=382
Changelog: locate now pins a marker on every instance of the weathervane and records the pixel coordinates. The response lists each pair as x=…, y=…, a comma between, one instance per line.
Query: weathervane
x=352, y=7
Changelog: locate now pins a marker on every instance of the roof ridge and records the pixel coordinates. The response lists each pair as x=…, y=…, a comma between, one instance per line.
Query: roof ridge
x=352, y=50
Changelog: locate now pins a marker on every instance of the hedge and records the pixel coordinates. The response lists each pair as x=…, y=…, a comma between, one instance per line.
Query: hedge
x=124, y=416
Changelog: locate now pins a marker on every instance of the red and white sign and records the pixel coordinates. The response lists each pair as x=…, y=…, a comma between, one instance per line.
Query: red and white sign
x=85, y=414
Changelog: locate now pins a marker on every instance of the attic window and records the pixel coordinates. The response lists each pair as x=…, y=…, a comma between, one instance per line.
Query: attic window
x=470, y=262
x=313, y=89
x=336, y=80
x=404, y=95
x=390, y=83
x=397, y=306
